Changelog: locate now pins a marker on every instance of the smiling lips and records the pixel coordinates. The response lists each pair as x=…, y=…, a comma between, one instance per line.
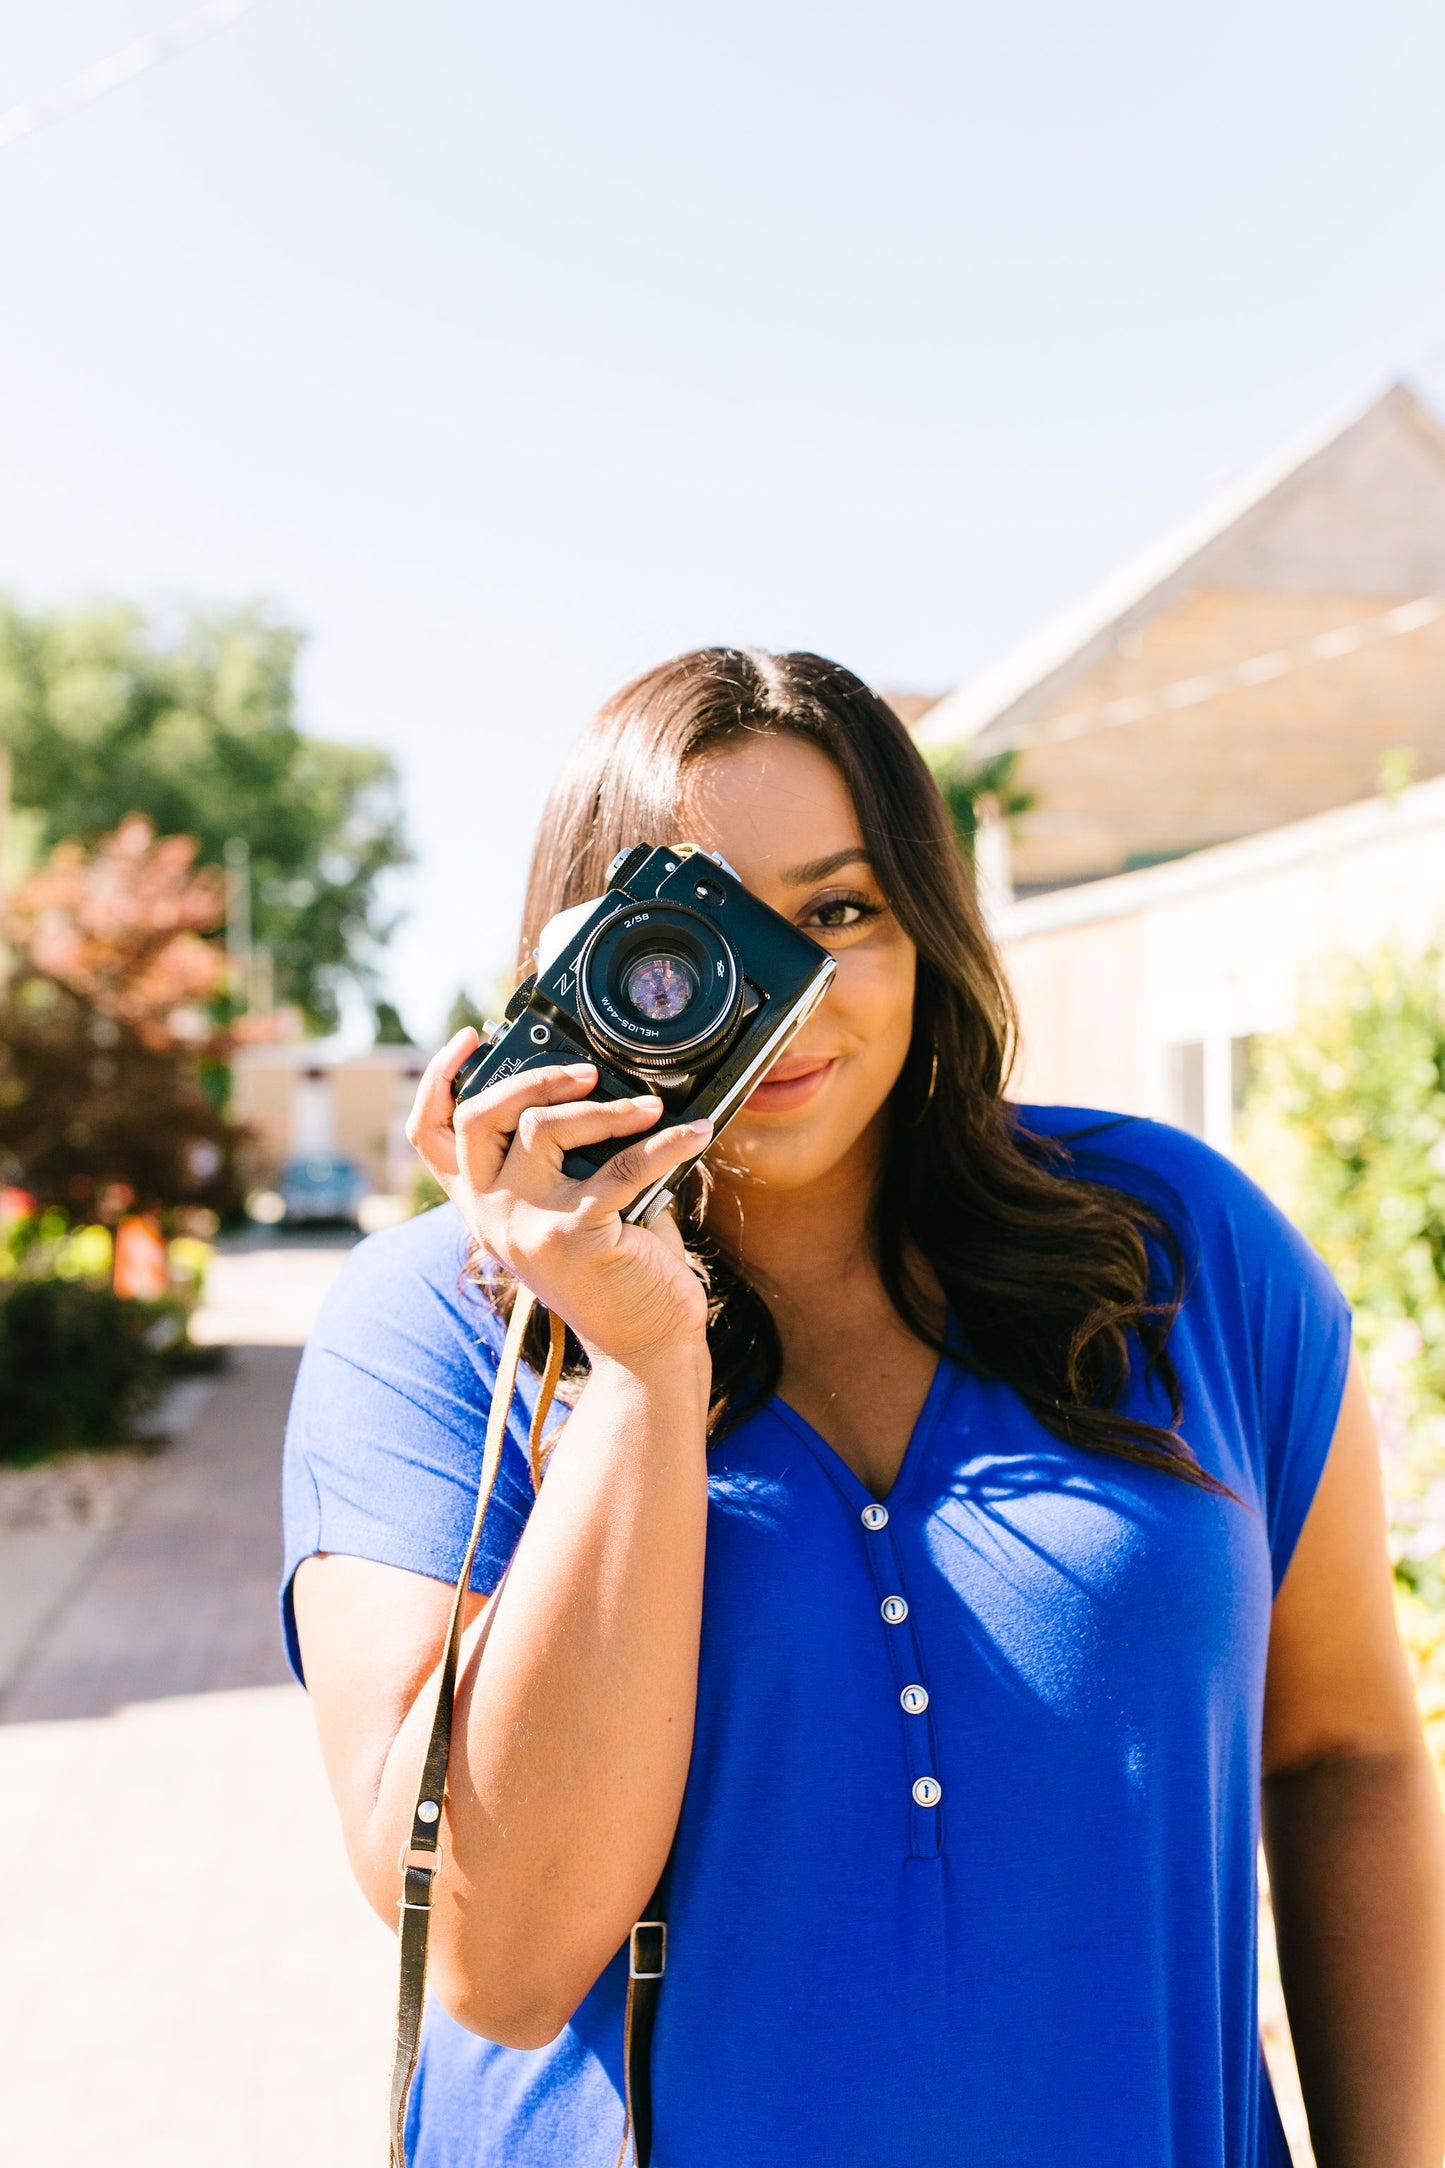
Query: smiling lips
x=789, y=1084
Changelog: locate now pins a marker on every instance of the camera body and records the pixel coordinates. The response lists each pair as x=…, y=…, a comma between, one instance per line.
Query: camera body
x=678, y=981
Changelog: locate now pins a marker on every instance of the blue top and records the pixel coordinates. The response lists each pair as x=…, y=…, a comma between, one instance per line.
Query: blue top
x=1056, y=1961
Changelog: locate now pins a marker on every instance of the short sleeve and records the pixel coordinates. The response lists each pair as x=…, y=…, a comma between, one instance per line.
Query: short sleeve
x=1263, y=1338
x=1299, y=1325
x=384, y=1442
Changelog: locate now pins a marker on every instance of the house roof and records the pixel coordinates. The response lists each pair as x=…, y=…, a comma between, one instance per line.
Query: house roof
x=1255, y=532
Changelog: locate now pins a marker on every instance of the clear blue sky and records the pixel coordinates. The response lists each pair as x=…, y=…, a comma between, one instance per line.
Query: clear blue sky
x=509, y=350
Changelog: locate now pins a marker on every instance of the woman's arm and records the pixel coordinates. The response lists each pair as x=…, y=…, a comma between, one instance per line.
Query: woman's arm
x=573, y=1727
x=574, y=1711
x=1353, y=1832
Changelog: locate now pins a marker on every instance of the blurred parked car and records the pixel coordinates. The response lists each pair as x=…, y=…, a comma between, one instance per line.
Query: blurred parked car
x=322, y=1186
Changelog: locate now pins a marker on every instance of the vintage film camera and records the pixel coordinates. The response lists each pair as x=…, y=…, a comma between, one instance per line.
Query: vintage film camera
x=677, y=981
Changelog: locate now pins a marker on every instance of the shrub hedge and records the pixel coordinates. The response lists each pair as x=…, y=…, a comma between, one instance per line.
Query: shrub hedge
x=78, y=1366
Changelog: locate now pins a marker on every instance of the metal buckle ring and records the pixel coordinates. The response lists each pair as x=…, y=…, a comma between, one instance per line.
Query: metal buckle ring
x=412, y=1855
x=648, y=1972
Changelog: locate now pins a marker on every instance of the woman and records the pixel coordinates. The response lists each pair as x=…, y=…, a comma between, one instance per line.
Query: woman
x=961, y=1521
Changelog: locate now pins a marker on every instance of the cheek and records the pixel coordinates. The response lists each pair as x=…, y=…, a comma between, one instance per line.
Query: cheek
x=873, y=991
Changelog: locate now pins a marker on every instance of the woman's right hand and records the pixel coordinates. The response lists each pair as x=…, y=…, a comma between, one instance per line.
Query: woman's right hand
x=627, y=1292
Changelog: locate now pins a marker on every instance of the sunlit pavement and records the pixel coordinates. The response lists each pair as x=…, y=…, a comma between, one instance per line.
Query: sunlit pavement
x=263, y=1290
x=188, y=1978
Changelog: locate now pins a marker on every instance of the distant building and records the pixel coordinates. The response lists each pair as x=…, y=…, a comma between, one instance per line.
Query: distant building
x=910, y=708
x=1142, y=992
x=1221, y=744
x=304, y=1097
x=1257, y=665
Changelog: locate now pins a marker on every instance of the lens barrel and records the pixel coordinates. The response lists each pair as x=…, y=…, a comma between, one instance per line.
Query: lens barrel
x=659, y=988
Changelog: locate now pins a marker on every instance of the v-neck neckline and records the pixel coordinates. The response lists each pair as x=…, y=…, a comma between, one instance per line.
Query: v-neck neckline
x=940, y=1389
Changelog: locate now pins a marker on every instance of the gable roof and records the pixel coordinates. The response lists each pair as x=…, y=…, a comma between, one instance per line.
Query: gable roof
x=1386, y=459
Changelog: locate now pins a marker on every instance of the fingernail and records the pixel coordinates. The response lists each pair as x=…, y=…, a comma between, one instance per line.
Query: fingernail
x=697, y=1129
x=580, y=1068
x=646, y=1101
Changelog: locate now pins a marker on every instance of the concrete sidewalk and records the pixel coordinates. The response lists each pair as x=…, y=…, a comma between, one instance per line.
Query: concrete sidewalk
x=189, y=1978
x=182, y=1597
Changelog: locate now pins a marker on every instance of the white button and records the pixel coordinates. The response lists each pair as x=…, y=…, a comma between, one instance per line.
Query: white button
x=875, y=1516
x=914, y=1699
x=894, y=1609
x=928, y=1791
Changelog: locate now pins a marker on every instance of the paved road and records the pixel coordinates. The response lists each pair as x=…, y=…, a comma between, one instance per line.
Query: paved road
x=188, y=1978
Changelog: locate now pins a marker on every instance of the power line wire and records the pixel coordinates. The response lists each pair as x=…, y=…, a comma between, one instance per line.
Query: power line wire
x=119, y=67
x=1234, y=677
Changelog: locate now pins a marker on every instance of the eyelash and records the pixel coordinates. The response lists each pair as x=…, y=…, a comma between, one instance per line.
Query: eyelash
x=851, y=901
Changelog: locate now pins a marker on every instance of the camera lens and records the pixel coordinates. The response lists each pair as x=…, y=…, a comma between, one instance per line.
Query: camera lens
x=659, y=987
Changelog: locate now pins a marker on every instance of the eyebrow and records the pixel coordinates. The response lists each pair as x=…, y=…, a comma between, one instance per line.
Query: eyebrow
x=818, y=869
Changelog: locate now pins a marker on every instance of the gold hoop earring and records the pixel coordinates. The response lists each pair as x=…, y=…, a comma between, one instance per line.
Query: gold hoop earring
x=928, y=1095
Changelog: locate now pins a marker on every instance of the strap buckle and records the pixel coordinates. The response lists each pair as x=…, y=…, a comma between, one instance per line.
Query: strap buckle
x=430, y=1863
x=648, y=1958
x=416, y=1855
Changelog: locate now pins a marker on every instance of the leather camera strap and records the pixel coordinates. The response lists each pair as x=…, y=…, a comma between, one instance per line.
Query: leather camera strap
x=646, y=1963
x=421, y=1856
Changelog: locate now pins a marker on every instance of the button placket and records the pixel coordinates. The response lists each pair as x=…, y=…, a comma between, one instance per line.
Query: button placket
x=905, y=1658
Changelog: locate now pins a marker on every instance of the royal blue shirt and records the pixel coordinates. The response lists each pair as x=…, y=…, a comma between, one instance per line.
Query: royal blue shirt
x=1055, y=1960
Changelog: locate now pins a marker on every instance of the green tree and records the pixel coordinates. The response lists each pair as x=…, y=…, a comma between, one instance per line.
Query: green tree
x=104, y=1027
x=966, y=783
x=107, y=715
x=464, y=1011
x=390, y=1030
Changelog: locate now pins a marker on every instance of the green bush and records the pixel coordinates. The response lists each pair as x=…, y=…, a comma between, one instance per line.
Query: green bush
x=426, y=1191
x=1344, y=1123
x=78, y=1366
x=1346, y=1115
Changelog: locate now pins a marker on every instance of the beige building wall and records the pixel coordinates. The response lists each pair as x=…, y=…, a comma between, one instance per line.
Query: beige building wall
x=361, y=1102
x=261, y=1101
x=299, y=1098
x=372, y=1101
x=1133, y=993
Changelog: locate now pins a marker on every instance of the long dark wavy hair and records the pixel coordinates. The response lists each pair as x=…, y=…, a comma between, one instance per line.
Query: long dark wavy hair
x=1060, y=1284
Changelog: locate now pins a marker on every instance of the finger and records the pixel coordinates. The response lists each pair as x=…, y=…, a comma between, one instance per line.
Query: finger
x=447, y=1059
x=503, y=1103
x=649, y=1160
x=429, y=1125
x=551, y=1131
x=485, y=1126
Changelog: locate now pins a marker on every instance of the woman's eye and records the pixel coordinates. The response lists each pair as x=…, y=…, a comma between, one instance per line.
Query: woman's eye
x=836, y=913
